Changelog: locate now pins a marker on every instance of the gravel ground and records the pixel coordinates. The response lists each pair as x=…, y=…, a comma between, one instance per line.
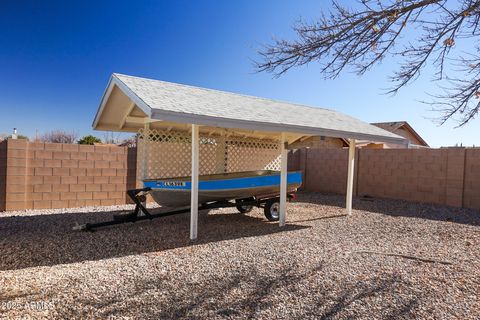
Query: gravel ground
x=243, y=266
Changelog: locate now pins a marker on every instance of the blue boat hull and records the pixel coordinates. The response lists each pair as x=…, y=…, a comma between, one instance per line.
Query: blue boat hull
x=175, y=192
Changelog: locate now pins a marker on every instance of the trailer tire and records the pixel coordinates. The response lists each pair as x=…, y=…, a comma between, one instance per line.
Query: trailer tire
x=244, y=208
x=272, y=209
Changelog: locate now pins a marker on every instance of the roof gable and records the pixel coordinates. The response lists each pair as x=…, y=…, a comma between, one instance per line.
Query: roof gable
x=395, y=126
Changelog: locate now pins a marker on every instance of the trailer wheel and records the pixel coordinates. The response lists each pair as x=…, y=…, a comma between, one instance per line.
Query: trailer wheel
x=272, y=209
x=244, y=208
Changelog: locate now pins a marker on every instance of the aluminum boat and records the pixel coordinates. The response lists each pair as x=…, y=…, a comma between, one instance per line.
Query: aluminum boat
x=175, y=192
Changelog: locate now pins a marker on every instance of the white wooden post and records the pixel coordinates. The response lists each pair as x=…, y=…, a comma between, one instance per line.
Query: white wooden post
x=194, y=189
x=351, y=164
x=146, y=146
x=283, y=180
x=145, y=150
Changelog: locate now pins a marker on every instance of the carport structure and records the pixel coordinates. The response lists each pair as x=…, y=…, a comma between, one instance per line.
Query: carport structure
x=187, y=131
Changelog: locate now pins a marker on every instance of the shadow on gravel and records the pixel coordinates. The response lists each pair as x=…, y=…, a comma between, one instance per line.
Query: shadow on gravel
x=396, y=208
x=250, y=294
x=46, y=240
x=319, y=218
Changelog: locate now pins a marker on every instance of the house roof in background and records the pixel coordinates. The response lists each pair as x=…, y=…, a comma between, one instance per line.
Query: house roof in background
x=395, y=125
x=178, y=103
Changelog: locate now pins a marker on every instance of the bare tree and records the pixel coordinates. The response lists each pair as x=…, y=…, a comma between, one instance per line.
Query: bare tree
x=59, y=136
x=111, y=137
x=130, y=142
x=363, y=36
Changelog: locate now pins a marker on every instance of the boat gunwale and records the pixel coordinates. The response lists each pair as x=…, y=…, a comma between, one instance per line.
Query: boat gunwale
x=221, y=190
x=211, y=177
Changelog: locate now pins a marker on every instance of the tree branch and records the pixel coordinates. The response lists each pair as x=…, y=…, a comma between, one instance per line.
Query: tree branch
x=361, y=38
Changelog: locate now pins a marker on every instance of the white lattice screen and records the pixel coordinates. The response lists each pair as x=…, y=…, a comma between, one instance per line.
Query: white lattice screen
x=163, y=154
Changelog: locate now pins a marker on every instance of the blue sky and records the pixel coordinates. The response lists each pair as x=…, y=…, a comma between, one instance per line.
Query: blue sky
x=56, y=58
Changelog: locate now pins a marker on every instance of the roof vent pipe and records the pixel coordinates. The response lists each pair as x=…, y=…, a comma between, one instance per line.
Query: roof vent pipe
x=14, y=134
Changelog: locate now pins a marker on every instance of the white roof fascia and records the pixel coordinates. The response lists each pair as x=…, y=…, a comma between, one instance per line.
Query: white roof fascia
x=127, y=91
x=106, y=94
x=250, y=125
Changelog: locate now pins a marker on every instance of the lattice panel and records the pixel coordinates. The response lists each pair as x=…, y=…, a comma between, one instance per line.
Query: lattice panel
x=252, y=154
x=163, y=154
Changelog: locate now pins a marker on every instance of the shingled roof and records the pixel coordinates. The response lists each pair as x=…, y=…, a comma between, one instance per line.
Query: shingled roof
x=178, y=103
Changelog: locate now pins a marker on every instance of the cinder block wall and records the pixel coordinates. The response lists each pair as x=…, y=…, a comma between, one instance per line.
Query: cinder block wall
x=3, y=174
x=324, y=170
x=47, y=175
x=418, y=175
x=471, y=195
x=323, y=173
x=51, y=175
x=442, y=176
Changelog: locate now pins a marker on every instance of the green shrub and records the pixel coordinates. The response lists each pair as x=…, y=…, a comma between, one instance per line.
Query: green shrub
x=89, y=140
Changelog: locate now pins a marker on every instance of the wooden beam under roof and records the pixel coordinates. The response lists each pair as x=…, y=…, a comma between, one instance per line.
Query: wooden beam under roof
x=127, y=114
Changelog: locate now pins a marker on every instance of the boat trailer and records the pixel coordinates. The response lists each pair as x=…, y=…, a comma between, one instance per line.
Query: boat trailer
x=270, y=204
